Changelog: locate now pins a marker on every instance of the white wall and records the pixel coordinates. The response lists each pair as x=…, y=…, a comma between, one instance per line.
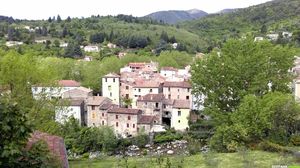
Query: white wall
x=62, y=113
x=111, y=89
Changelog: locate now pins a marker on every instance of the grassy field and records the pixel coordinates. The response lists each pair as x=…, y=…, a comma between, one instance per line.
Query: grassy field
x=253, y=159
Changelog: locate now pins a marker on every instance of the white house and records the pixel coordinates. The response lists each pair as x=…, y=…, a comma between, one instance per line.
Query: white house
x=13, y=43
x=63, y=45
x=70, y=108
x=54, y=91
x=91, y=48
x=273, y=37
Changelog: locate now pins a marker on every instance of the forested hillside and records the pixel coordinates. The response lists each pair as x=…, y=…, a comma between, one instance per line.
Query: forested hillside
x=125, y=31
x=278, y=15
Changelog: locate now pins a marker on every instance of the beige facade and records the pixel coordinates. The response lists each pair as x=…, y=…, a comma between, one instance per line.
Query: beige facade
x=180, y=119
x=111, y=87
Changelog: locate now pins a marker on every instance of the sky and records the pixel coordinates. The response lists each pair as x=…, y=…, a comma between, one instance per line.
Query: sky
x=43, y=9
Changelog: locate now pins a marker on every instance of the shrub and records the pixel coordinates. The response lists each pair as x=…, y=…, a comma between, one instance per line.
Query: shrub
x=167, y=136
x=140, y=140
x=295, y=140
x=273, y=147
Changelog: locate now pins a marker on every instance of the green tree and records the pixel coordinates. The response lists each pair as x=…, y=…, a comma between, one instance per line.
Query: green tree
x=58, y=18
x=14, y=131
x=242, y=67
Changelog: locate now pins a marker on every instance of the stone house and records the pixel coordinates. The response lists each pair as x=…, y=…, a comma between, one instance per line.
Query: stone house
x=97, y=107
x=177, y=90
x=180, y=115
x=152, y=104
x=124, y=120
x=145, y=123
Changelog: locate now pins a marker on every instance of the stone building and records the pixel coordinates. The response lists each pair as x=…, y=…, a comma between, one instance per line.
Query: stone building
x=124, y=120
x=97, y=107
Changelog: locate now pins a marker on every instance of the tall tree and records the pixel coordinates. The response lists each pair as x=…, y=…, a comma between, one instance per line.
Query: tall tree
x=58, y=18
x=242, y=67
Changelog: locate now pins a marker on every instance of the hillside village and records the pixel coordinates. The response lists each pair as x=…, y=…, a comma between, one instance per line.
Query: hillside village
x=140, y=98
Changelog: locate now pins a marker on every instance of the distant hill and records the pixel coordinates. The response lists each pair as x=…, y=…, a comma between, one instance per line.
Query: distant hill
x=228, y=10
x=175, y=16
x=277, y=15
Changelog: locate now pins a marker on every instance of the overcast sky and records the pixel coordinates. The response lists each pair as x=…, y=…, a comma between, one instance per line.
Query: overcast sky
x=42, y=9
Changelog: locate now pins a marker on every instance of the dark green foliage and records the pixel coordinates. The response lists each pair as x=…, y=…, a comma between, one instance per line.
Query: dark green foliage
x=88, y=139
x=201, y=130
x=140, y=140
x=167, y=136
x=98, y=38
x=73, y=50
x=295, y=140
x=58, y=19
x=272, y=147
x=14, y=131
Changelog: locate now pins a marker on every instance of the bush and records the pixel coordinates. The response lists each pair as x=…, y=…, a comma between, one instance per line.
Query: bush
x=140, y=140
x=273, y=147
x=295, y=140
x=167, y=136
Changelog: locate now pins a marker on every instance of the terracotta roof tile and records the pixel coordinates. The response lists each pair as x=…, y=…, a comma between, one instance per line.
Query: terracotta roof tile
x=169, y=69
x=125, y=111
x=178, y=84
x=68, y=83
x=185, y=104
x=152, y=97
x=96, y=100
x=146, y=119
x=55, y=144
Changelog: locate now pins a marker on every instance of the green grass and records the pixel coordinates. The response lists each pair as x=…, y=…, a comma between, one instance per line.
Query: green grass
x=257, y=159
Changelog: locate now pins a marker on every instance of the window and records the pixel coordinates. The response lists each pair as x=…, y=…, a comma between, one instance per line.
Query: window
x=105, y=79
x=102, y=114
x=139, y=90
x=169, y=96
x=150, y=90
x=117, y=124
x=127, y=96
x=127, y=125
x=114, y=80
x=177, y=96
x=188, y=89
x=178, y=121
x=109, y=87
x=156, y=105
x=187, y=97
x=169, y=89
x=129, y=117
x=93, y=115
x=145, y=103
x=179, y=113
x=127, y=87
x=133, y=125
x=93, y=107
x=102, y=122
x=110, y=94
x=178, y=90
x=117, y=117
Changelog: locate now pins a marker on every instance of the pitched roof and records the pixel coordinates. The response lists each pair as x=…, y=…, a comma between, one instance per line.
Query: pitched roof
x=146, y=119
x=55, y=144
x=152, y=98
x=183, y=84
x=146, y=84
x=168, y=101
x=96, y=100
x=112, y=75
x=185, y=104
x=68, y=83
x=137, y=64
x=169, y=69
x=106, y=106
x=125, y=111
x=70, y=102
